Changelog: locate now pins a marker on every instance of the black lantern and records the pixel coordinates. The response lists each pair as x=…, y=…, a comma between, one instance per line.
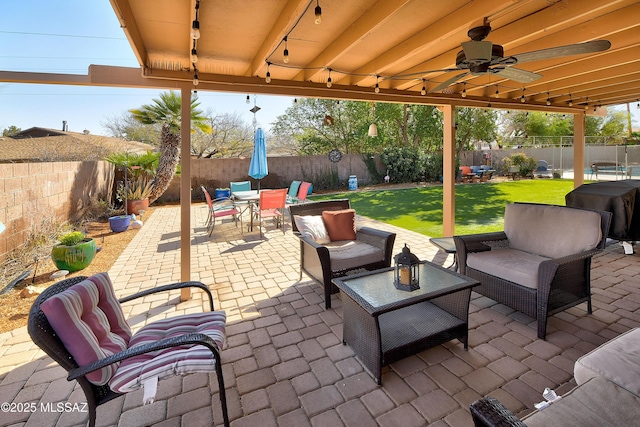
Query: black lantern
x=406, y=273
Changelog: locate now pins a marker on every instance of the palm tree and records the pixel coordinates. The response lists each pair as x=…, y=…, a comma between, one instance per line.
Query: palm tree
x=166, y=112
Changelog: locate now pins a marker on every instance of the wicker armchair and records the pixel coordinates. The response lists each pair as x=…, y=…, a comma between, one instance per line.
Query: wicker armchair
x=315, y=258
x=43, y=335
x=556, y=282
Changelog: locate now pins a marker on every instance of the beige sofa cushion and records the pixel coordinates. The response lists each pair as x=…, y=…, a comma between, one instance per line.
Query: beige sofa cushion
x=597, y=403
x=551, y=231
x=508, y=264
x=350, y=254
x=617, y=360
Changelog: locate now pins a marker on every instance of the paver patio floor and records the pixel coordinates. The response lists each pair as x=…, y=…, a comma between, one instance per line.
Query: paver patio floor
x=284, y=361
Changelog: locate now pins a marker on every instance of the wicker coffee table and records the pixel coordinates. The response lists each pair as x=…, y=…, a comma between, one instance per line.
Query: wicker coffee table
x=383, y=324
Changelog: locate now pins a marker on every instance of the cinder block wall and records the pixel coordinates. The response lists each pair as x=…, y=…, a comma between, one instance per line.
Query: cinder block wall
x=218, y=173
x=33, y=192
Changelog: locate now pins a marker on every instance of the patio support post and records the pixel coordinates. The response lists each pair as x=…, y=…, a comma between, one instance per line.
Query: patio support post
x=185, y=192
x=578, y=149
x=448, y=171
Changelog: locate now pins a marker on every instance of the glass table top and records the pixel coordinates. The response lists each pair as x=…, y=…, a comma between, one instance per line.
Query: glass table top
x=376, y=288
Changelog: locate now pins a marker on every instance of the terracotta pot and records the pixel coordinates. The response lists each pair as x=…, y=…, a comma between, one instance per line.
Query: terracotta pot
x=74, y=258
x=136, y=205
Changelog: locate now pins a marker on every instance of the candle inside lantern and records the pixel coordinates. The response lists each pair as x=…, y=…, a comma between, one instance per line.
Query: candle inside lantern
x=404, y=276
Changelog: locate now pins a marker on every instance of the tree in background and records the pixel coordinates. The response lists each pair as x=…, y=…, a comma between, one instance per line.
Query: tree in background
x=126, y=126
x=166, y=112
x=11, y=131
x=229, y=137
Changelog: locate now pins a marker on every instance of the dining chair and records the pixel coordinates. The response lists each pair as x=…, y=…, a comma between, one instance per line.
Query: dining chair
x=235, y=187
x=303, y=192
x=272, y=203
x=219, y=208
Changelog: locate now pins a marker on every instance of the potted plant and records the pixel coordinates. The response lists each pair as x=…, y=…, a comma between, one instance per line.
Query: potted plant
x=74, y=252
x=136, y=194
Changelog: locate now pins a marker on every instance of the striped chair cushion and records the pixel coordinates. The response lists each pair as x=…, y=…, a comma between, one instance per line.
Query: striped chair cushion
x=133, y=372
x=89, y=321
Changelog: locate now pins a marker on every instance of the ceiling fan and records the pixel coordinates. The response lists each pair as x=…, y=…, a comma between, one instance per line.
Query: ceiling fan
x=480, y=56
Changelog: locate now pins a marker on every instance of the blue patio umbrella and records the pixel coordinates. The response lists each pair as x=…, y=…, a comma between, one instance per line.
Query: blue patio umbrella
x=258, y=168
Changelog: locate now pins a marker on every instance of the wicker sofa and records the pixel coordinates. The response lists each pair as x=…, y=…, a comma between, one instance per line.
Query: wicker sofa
x=540, y=264
x=370, y=250
x=607, y=394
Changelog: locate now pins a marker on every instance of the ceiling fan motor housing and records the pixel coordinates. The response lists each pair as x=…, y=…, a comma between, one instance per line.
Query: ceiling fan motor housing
x=497, y=53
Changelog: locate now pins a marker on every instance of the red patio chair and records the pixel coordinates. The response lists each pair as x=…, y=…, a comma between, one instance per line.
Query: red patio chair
x=272, y=204
x=220, y=208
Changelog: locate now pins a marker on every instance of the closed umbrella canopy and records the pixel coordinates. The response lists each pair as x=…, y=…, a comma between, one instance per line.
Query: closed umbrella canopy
x=258, y=168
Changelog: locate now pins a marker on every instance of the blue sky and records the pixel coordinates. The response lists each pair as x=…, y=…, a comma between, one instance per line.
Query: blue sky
x=66, y=36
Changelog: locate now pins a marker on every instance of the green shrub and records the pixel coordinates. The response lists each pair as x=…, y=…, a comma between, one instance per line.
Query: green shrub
x=527, y=164
x=403, y=164
x=72, y=239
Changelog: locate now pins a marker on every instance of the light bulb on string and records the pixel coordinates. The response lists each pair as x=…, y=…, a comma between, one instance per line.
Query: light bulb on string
x=377, y=88
x=318, y=13
x=329, y=83
x=286, y=50
x=267, y=78
x=497, y=92
x=194, y=56
x=195, y=30
x=570, y=101
x=423, y=91
x=548, y=100
x=522, y=98
x=248, y=99
x=196, y=82
x=464, y=90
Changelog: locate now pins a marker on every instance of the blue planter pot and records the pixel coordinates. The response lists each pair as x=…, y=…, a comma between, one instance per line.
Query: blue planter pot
x=119, y=223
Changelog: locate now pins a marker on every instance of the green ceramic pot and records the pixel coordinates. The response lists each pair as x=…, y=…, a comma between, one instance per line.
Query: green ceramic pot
x=74, y=258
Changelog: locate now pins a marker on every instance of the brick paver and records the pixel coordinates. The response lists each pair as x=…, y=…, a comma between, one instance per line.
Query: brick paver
x=284, y=361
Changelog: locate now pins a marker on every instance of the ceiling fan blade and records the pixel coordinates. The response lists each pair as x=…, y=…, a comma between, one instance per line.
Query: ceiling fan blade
x=477, y=50
x=568, y=50
x=516, y=74
x=449, y=82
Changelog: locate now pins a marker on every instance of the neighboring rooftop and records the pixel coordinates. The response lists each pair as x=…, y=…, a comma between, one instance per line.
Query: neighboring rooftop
x=38, y=144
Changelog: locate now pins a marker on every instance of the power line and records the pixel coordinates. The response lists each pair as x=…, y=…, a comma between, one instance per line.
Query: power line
x=63, y=35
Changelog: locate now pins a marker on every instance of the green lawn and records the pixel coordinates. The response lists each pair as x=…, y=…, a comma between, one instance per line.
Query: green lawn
x=479, y=207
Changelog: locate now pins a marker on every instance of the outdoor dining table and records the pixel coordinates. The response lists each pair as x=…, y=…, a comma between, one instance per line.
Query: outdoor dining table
x=250, y=197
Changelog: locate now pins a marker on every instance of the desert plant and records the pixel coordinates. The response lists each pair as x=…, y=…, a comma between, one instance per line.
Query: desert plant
x=136, y=189
x=72, y=238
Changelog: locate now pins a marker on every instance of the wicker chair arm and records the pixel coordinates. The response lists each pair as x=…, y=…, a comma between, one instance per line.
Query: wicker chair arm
x=194, y=338
x=374, y=237
x=489, y=412
x=475, y=243
x=169, y=287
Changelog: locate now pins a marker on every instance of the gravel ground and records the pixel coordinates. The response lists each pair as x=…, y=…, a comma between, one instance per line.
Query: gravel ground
x=14, y=309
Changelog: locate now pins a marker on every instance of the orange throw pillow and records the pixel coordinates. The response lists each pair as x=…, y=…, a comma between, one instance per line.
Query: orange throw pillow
x=341, y=225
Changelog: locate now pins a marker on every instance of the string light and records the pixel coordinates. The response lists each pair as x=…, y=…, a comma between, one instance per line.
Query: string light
x=548, y=100
x=377, y=89
x=286, y=50
x=194, y=55
x=464, y=90
x=195, y=25
x=267, y=79
x=570, y=101
x=248, y=99
x=329, y=79
x=195, y=77
x=522, y=98
x=318, y=13
x=497, y=92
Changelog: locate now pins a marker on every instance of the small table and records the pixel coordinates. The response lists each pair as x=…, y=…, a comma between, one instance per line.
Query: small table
x=383, y=324
x=251, y=198
x=446, y=244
